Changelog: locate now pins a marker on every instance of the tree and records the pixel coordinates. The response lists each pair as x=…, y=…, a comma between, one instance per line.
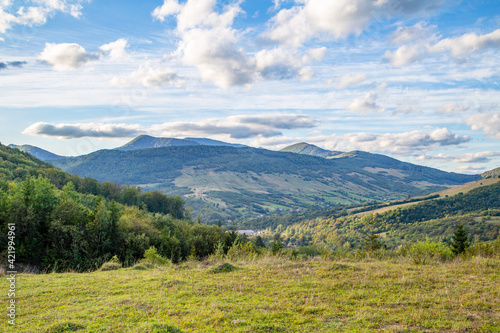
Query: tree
x=259, y=242
x=371, y=239
x=460, y=239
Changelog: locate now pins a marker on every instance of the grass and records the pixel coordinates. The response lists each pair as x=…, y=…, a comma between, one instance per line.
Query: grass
x=267, y=295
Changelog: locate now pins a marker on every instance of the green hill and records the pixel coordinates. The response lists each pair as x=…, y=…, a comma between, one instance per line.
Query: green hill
x=221, y=181
x=39, y=153
x=146, y=141
x=491, y=173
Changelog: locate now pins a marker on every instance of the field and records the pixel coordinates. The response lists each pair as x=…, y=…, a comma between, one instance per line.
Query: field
x=267, y=295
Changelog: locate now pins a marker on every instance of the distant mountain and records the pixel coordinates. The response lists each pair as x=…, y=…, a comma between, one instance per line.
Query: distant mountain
x=39, y=153
x=491, y=173
x=146, y=141
x=309, y=149
x=211, y=142
x=234, y=181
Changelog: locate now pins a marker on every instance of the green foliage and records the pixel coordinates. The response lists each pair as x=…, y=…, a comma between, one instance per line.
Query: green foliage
x=152, y=258
x=460, y=240
x=223, y=268
x=422, y=253
x=65, y=327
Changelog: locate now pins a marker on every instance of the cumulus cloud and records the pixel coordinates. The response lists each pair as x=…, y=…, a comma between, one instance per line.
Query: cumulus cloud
x=80, y=130
x=68, y=56
x=403, y=144
x=457, y=47
x=116, y=49
x=467, y=44
x=65, y=56
x=350, y=80
x=405, y=55
x=237, y=127
x=366, y=103
x=10, y=64
x=149, y=76
x=337, y=19
x=208, y=41
x=479, y=157
x=489, y=123
x=451, y=108
x=17, y=13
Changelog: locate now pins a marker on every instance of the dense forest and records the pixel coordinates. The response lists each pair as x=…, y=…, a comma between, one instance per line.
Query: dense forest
x=67, y=222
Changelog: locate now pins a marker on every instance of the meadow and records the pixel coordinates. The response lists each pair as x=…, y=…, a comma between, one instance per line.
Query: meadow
x=266, y=294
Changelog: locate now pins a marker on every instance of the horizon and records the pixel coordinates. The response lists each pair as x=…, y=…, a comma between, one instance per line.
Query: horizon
x=413, y=80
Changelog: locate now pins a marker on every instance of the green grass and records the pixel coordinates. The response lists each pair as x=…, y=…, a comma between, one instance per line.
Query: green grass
x=268, y=295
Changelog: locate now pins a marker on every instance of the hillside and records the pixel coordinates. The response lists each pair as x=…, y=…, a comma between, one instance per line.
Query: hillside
x=241, y=181
x=146, y=141
x=491, y=173
x=309, y=149
x=39, y=153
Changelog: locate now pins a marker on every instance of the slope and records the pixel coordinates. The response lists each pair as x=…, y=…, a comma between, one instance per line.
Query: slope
x=37, y=152
x=309, y=149
x=247, y=180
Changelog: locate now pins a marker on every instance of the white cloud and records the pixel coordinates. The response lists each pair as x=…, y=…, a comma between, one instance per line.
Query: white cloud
x=68, y=56
x=405, y=55
x=350, y=80
x=37, y=14
x=65, y=56
x=237, y=127
x=479, y=157
x=79, y=130
x=457, y=47
x=366, y=103
x=412, y=34
x=467, y=44
x=489, y=123
x=208, y=41
x=116, y=49
x=149, y=76
x=402, y=144
x=338, y=19
x=452, y=108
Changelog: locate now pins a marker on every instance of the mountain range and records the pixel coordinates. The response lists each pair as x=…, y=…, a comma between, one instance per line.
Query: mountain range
x=223, y=180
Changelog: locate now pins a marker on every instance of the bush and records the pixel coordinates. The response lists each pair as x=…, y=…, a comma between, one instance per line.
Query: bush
x=224, y=268
x=422, y=252
x=243, y=251
x=485, y=249
x=111, y=265
x=153, y=259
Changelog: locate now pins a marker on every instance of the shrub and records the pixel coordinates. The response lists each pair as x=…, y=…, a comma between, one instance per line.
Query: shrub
x=484, y=249
x=243, y=251
x=111, y=265
x=153, y=259
x=422, y=252
x=224, y=268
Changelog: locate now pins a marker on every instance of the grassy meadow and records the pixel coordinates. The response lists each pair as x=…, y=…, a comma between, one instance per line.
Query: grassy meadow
x=269, y=294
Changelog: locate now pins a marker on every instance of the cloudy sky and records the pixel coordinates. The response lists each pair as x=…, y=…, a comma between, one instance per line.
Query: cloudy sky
x=417, y=80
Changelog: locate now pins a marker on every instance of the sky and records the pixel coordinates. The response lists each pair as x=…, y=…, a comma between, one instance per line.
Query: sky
x=417, y=80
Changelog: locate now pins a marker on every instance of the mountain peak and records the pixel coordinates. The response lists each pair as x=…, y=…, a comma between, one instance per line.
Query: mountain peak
x=147, y=141
x=310, y=149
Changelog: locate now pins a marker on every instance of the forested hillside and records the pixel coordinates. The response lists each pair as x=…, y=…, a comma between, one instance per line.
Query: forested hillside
x=67, y=222
x=479, y=210
x=228, y=182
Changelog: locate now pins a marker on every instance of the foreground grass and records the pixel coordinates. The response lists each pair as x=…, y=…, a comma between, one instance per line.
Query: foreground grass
x=269, y=295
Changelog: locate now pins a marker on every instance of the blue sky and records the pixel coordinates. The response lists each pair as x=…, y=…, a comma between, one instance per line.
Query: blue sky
x=417, y=80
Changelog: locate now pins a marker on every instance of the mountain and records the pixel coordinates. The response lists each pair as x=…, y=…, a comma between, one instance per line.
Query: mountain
x=491, y=173
x=39, y=153
x=232, y=181
x=309, y=149
x=211, y=142
x=146, y=141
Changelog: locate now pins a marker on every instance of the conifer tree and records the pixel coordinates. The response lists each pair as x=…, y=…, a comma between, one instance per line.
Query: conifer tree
x=460, y=239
